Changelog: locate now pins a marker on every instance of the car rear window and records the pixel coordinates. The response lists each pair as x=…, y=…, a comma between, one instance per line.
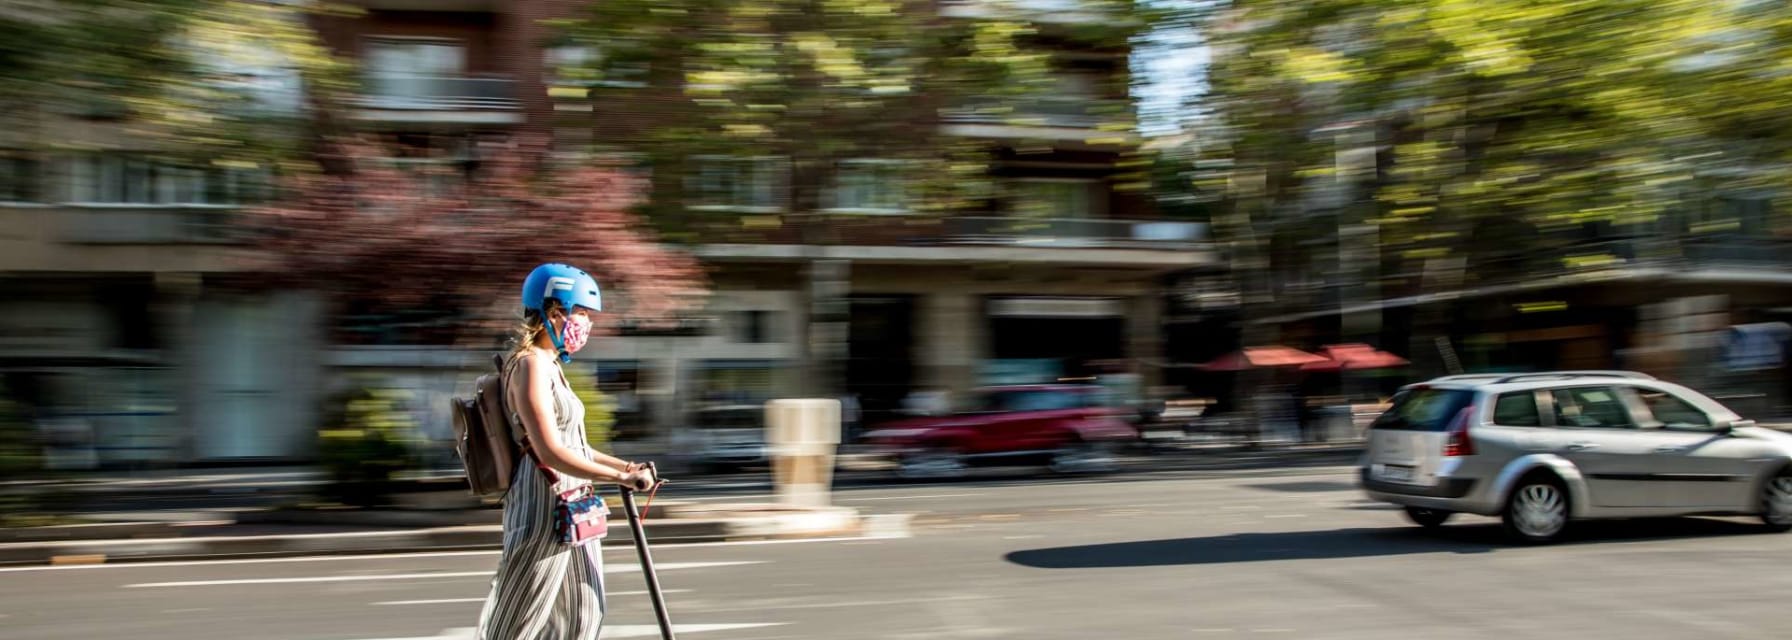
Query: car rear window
x=1424, y=409
x=1517, y=410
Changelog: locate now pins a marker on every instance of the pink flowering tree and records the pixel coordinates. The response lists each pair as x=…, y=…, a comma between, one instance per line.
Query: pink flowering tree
x=440, y=251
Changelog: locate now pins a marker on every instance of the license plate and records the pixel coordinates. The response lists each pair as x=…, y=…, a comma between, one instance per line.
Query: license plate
x=1396, y=473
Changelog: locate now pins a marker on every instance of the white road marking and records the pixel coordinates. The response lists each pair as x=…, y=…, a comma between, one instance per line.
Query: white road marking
x=385, y=576
x=624, y=549
x=442, y=601
x=400, y=603
x=1287, y=515
x=611, y=631
x=920, y=497
x=613, y=568
x=852, y=603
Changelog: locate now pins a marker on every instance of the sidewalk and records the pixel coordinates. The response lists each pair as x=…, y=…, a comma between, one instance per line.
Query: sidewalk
x=291, y=532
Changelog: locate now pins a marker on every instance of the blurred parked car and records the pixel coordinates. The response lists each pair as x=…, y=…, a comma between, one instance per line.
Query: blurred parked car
x=724, y=438
x=1062, y=426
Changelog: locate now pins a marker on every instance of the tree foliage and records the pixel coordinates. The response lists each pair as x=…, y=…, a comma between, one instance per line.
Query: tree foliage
x=454, y=239
x=1552, y=114
x=819, y=81
x=225, y=81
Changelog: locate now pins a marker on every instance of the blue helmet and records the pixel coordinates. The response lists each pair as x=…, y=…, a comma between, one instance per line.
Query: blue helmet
x=563, y=282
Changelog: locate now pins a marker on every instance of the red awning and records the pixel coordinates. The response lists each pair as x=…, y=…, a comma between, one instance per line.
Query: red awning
x=1354, y=357
x=1252, y=357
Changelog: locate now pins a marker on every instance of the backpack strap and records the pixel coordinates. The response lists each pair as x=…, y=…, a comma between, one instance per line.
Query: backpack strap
x=515, y=421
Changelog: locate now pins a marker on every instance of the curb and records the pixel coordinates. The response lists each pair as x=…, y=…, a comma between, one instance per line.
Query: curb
x=814, y=524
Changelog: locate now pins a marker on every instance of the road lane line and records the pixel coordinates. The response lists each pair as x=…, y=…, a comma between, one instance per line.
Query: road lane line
x=385, y=576
x=482, y=599
x=614, y=568
x=623, y=549
x=920, y=497
x=441, y=601
x=846, y=604
x=613, y=632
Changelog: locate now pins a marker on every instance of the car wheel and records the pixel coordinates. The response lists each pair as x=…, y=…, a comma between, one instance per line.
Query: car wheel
x=1776, y=502
x=1428, y=518
x=931, y=463
x=1537, y=511
x=1084, y=457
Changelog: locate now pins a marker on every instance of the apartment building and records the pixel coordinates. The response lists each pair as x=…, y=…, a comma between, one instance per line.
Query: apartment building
x=131, y=322
x=1060, y=276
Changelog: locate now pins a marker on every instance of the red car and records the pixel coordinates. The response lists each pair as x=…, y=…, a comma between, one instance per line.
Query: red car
x=1062, y=426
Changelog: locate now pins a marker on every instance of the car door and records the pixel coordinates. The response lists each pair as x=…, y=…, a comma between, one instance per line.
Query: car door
x=1595, y=429
x=1037, y=419
x=1693, y=464
x=1005, y=428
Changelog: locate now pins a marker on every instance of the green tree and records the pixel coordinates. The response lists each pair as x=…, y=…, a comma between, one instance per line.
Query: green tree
x=221, y=81
x=1554, y=113
x=1468, y=128
x=814, y=83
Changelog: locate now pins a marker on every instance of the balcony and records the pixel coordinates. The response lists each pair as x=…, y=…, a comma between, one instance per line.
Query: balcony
x=148, y=225
x=1069, y=12
x=1133, y=244
x=1079, y=233
x=440, y=99
x=462, y=6
x=1056, y=112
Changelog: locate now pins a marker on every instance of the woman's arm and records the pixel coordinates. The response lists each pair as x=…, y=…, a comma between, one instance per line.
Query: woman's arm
x=612, y=461
x=534, y=383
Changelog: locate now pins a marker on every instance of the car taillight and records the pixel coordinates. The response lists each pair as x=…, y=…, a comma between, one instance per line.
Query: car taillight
x=1459, y=443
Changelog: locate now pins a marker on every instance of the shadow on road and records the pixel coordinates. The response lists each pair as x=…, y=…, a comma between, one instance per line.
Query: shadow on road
x=1352, y=543
x=1305, y=487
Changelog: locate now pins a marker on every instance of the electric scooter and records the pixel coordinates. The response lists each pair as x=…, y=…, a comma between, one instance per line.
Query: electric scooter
x=640, y=534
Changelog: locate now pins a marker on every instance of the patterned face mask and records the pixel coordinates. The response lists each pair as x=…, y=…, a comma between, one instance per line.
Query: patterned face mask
x=576, y=333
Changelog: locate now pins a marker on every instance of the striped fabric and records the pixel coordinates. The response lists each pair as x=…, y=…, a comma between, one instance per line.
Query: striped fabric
x=545, y=589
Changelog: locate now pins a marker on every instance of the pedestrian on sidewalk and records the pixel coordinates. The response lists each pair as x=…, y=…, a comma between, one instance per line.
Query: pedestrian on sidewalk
x=549, y=583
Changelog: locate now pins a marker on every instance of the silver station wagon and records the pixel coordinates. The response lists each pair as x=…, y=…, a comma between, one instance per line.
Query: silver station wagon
x=1539, y=450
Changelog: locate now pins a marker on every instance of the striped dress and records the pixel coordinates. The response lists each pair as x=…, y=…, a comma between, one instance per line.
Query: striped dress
x=545, y=589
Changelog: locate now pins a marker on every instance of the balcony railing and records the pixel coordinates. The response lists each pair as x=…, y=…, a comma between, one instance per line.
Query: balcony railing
x=1074, y=233
x=430, y=92
x=1076, y=113
x=149, y=224
x=1046, y=11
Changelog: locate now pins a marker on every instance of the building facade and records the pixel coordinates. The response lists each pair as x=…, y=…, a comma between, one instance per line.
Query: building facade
x=133, y=329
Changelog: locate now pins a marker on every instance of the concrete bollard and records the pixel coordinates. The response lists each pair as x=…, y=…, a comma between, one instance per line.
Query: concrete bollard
x=802, y=434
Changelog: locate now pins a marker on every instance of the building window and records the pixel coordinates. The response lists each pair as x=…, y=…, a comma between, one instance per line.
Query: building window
x=19, y=179
x=748, y=184
x=416, y=73
x=870, y=186
x=754, y=327
x=1046, y=198
x=126, y=179
x=392, y=56
x=583, y=66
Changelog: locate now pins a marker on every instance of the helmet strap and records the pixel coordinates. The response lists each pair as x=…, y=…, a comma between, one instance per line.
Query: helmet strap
x=554, y=336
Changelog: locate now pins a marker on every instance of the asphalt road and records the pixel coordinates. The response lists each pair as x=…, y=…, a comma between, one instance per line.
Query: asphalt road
x=1265, y=553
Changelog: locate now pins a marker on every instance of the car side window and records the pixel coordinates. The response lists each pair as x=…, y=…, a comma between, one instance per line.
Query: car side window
x=1673, y=412
x=1517, y=409
x=1591, y=407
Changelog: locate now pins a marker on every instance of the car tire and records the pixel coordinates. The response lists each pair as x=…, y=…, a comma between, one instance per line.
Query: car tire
x=1428, y=518
x=1083, y=457
x=1776, y=502
x=1537, y=510
x=932, y=463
